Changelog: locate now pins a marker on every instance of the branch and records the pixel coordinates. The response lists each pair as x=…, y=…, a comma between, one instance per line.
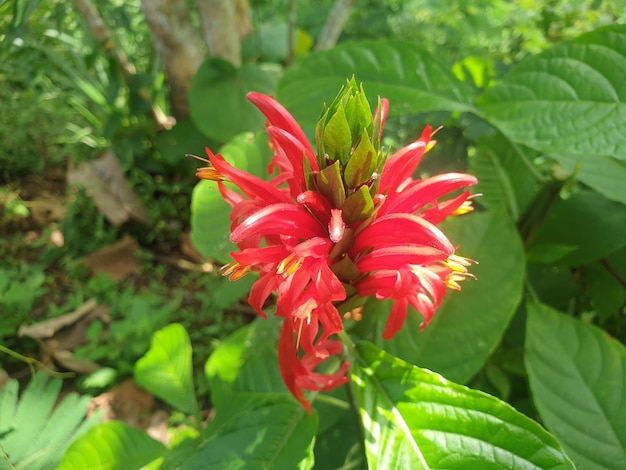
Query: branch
x=335, y=23
x=224, y=23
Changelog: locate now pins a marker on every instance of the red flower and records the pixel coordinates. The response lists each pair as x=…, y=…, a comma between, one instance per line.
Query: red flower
x=327, y=224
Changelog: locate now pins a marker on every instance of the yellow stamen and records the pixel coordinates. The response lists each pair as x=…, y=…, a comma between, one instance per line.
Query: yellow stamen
x=464, y=208
x=207, y=172
x=289, y=265
x=234, y=270
x=299, y=332
x=458, y=267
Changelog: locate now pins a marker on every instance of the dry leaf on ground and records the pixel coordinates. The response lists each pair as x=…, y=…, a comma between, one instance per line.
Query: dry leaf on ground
x=116, y=261
x=104, y=180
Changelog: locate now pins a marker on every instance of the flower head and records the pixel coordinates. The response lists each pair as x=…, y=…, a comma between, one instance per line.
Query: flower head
x=344, y=220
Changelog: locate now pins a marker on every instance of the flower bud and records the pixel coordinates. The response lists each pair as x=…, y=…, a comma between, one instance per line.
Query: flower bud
x=344, y=134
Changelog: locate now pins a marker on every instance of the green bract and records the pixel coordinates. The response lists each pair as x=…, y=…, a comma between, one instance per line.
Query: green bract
x=348, y=151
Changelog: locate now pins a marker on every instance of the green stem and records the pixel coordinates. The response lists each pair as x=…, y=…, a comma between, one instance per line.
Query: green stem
x=538, y=176
x=336, y=402
x=31, y=362
x=347, y=341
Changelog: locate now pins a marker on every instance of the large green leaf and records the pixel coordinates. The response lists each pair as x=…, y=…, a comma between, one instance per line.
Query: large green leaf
x=246, y=361
x=257, y=431
x=604, y=174
x=568, y=99
x=34, y=434
x=578, y=378
x=218, y=103
x=258, y=424
x=210, y=222
x=470, y=323
x=113, y=445
x=337, y=444
x=579, y=230
x=603, y=280
x=210, y=214
x=416, y=419
x=166, y=371
x=412, y=79
x=503, y=175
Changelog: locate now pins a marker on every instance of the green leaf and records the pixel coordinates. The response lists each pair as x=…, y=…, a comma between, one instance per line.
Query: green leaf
x=474, y=319
x=407, y=75
x=358, y=206
x=503, y=175
x=184, y=138
x=578, y=378
x=336, y=138
x=113, y=445
x=579, y=230
x=246, y=361
x=218, y=103
x=258, y=424
x=257, y=431
x=416, y=419
x=606, y=291
x=568, y=99
x=34, y=434
x=166, y=371
x=210, y=222
x=361, y=164
x=330, y=184
x=210, y=214
x=337, y=443
x=604, y=174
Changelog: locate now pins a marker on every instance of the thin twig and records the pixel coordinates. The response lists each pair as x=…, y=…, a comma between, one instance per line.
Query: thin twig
x=609, y=267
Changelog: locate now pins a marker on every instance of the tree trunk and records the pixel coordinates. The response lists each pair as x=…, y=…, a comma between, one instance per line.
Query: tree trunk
x=224, y=24
x=100, y=31
x=177, y=45
x=334, y=24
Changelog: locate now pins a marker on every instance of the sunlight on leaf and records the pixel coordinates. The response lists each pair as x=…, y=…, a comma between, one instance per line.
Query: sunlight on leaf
x=415, y=418
x=113, y=445
x=165, y=370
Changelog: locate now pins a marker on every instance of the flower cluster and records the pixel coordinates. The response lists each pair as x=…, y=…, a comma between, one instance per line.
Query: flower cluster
x=344, y=222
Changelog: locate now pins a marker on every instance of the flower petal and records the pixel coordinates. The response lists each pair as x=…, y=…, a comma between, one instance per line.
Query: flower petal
x=278, y=219
x=278, y=116
x=403, y=163
x=397, y=257
x=251, y=186
x=420, y=193
x=400, y=229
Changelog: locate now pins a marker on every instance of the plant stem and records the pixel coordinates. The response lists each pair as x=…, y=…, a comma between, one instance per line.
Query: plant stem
x=30, y=361
x=336, y=402
x=347, y=341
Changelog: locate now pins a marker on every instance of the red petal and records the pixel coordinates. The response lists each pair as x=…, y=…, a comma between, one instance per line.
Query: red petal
x=278, y=219
x=396, y=319
x=336, y=226
x=403, y=163
x=443, y=209
x=251, y=186
x=278, y=116
x=290, y=366
x=397, y=257
x=316, y=203
x=400, y=229
x=420, y=193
